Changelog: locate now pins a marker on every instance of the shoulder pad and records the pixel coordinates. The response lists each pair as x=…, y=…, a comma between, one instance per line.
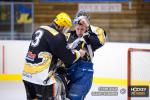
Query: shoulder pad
x=51, y=30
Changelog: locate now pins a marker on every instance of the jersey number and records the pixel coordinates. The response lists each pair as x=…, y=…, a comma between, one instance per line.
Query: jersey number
x=38, y=35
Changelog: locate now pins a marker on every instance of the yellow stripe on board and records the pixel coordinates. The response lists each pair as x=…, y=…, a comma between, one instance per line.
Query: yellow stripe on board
x=96, y=80
x=137, y=82
x=110, y=81
x=119, y=82
x=9, y=77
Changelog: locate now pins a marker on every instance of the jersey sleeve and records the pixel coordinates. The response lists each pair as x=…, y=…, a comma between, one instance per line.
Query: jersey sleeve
x=60, y=50
x=58, y=46
x=97, y=37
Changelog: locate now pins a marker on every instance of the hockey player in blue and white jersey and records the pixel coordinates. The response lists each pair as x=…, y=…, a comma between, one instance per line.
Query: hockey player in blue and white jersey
x=89, y=38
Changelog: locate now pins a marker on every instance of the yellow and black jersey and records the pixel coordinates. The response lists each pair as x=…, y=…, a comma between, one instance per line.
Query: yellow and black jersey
x=47, y=43
x=47, y=39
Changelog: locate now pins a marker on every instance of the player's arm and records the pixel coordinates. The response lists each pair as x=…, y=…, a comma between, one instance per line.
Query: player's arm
x=63, y=53
x=58, y=46
x=96, y=39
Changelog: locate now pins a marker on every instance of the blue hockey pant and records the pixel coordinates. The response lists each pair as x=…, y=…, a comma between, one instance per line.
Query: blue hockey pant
x=80, y=76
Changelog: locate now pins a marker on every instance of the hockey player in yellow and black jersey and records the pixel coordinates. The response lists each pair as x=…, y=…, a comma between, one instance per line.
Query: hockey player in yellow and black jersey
x=89, y=38
x=47, y=45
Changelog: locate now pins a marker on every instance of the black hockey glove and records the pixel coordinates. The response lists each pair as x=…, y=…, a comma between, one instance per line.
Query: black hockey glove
x=86, y=38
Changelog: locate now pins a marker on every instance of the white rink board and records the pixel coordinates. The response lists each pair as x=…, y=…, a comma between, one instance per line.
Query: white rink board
x=109, y=61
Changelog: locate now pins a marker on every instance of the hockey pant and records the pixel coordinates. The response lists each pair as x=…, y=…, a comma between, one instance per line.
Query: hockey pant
x=80, y=76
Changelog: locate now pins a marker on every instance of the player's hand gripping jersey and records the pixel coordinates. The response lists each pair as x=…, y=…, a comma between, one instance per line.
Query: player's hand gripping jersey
x=46, y=46
x=93, y=39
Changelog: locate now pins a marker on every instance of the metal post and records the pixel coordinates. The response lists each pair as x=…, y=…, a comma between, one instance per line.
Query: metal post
x=3, y=59
x=32, y=18
x=12, y=21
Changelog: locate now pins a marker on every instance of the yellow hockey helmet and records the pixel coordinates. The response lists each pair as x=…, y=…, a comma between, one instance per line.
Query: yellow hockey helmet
x=63, y=19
